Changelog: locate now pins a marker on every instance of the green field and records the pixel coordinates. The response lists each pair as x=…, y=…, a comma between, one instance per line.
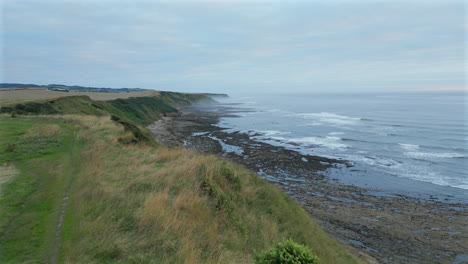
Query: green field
x=130, y=200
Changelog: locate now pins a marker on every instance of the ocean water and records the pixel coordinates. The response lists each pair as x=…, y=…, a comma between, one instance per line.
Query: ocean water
x=407, y=141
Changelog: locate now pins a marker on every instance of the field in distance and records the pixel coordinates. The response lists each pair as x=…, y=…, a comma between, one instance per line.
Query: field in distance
x=18, y=96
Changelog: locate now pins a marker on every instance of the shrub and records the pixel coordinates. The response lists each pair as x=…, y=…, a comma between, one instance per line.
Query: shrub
x=30, y=108
x=10, y=148
x=38, y=108
x=286, y=252
x=6, y=109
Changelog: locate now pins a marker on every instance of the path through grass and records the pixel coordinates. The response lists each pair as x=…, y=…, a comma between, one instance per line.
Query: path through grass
x=135, y=202
x=41, y=150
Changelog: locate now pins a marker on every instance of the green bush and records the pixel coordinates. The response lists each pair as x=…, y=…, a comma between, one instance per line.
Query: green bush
x=6, y=109
x=286, y=252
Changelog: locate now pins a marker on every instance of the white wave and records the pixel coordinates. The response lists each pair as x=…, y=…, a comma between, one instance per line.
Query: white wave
x=374, y=161
x=429, y=155
x=410, y=147
x=312, y=124
x=427, y=176
x=461, y=186
x=272, y=132
x=280, y=138
x=336, y=133
x=199, y=133
x=330, y=118
x=327, y=142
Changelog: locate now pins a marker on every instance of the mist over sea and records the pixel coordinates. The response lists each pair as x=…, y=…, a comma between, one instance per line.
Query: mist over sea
x=408, y=142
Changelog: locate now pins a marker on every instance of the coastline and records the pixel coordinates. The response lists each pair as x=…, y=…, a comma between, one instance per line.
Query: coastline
x=389, y=227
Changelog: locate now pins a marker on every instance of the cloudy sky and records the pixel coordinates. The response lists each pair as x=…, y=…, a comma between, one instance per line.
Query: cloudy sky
x=236, y=46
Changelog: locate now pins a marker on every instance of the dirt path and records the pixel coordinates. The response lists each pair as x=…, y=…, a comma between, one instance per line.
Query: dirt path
x=58, y=230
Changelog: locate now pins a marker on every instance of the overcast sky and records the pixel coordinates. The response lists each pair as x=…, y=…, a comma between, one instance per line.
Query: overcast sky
x=236, y=46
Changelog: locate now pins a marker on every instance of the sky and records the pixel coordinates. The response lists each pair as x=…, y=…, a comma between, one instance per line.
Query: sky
x=236, y=46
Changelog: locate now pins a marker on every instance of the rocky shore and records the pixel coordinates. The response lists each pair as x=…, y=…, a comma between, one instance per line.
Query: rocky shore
x=380, y=226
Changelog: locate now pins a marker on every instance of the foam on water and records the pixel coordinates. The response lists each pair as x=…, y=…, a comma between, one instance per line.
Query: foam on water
x=312, y=124
x=336, y=133
x=429, y=177
x=429, y=155
x=327, y=142
x=330, y=118
x=373, y=160
x=411, y=147
x=199, y=133
x=412, y=137
x=271, y=132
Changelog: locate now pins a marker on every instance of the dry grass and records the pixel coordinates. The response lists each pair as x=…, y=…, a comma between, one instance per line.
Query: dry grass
x=141, y=204
x=42, y=130
x=9, y=97
x=7, y=173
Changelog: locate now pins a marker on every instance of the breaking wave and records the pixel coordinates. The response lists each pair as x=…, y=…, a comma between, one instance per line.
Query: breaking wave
x=329, y=118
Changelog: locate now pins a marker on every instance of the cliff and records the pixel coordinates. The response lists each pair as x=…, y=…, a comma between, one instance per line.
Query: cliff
x=84, y=182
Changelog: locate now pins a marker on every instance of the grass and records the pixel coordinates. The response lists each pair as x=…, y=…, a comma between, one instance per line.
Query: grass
x=30, y=201
x=133, y=201
x=7, y=173
x=145, y=204
x=22, y=96
x=141, y=110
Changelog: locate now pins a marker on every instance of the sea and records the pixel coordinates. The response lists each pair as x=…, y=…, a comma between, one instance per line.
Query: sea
x=412, y=143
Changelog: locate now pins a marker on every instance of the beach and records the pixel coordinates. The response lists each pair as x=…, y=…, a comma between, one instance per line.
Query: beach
x=382, y=226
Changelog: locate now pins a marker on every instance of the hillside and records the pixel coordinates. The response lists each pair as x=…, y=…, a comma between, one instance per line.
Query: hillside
x=78, y=186
x=143, y=110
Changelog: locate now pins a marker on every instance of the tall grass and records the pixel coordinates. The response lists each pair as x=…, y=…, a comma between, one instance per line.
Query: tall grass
x=144, y=204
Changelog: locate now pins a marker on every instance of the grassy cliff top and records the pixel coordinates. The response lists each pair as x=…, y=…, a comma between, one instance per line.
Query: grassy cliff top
x=142, y=110
x=21, y=96
x=129, y=200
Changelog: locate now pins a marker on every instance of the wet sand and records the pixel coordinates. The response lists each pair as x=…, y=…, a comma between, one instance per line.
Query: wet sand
x=380, y=226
